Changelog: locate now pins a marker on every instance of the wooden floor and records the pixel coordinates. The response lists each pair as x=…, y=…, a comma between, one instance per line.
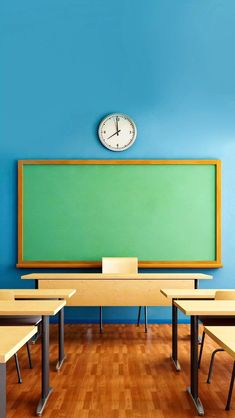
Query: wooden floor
x=123, y=373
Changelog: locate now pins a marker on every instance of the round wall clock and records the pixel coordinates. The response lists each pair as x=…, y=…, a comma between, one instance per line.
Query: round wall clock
x=117, y=132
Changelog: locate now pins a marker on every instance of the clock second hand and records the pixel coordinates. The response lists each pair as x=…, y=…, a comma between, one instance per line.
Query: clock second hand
x=115, y=133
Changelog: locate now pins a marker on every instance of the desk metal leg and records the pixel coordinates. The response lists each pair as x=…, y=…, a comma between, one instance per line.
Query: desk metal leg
x=145, y=319
x=2, y=390
x=196, y=287
x=38, y=334
x=139, y=313
x=230, y=389
x=175, y=336
x=61, y=339
x=101, y=320
x=46, y=390
x=193, y=389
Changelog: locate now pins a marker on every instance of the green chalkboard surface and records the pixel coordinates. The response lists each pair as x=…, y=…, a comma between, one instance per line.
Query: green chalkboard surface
x=166, y=213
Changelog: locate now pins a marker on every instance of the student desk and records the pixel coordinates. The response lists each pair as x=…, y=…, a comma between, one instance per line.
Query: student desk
x=44, y=308
x=28, y=294
x=195, y=308
x=98, y=289
x=183, y=294
x=189, y=294
x=40, y=294
x=12, y=339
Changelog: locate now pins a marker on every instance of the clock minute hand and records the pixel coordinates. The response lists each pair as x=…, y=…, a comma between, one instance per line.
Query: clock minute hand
x=117, y=125
x=115, y=133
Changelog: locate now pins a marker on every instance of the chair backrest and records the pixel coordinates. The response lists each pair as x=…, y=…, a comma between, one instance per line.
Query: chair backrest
x=225, y=295
x=6, y=295
x=119, y=265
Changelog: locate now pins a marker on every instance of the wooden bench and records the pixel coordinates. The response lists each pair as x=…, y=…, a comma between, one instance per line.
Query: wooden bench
x=225, y=338
x=12, y=339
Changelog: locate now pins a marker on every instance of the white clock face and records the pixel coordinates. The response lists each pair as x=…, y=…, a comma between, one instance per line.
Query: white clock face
x=117, y=132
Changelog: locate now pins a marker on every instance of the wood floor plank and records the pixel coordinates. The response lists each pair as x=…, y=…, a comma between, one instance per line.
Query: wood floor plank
x=123, y=373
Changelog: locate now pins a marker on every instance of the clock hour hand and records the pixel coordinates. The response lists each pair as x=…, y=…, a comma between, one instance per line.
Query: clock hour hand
x=115, y=133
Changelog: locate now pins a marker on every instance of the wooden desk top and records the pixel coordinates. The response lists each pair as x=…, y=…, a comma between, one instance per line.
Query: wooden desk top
x=13, y=338
x=207, y=307
x=31, y=307
x=189, y=293
x=100, y=276
x=43, y=293
x=224, y=336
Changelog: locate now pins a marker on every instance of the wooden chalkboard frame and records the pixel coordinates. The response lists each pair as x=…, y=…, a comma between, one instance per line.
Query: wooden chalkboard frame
x=142, y=264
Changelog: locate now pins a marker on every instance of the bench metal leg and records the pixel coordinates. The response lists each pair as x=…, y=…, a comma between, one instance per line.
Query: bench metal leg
x=46, y=390
x=212, y=363
x=2, y=390
x=61, y=339
x=18, y=368
x=230, y=389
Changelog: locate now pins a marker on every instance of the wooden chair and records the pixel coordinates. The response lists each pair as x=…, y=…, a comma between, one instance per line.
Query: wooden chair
x=120, y=265
x=219, y=320
x=11, y=320
x=224, y=336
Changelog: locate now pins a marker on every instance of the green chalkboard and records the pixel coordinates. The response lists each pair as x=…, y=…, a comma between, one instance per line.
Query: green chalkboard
x=75, y=212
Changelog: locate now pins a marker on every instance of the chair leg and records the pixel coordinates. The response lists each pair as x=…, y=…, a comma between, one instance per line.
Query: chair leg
x=139, y=314
x=199, y=340
x=230, y=389
x=18, y=368
x=201, y=349
x=29, y=355
x=145, y=318
x=37, y=335
x=211, y=364
x=101, y=320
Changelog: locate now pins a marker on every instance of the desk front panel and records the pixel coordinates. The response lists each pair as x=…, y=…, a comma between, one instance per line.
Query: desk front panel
x=117, y=292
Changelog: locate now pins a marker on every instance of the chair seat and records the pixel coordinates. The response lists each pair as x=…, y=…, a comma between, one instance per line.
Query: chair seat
x=20, y=320
x=217, y=320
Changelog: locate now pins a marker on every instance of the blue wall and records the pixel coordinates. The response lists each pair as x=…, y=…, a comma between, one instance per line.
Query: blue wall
x=65, y=64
